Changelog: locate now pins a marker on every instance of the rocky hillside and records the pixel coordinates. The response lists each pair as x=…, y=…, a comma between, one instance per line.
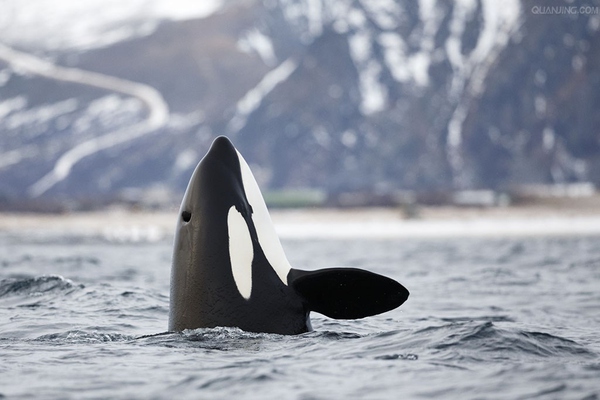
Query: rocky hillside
x=341, y=96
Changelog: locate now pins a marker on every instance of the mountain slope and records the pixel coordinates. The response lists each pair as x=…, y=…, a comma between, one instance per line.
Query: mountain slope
x=346, y=95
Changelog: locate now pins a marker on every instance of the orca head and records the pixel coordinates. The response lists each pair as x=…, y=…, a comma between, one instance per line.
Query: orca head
x=223, y=183
x=216, y=185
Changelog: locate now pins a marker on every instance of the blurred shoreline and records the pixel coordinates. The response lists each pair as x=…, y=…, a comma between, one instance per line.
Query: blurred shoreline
x=541, y=219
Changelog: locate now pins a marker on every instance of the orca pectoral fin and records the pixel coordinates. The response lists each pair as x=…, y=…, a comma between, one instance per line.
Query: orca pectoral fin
x=347, y=293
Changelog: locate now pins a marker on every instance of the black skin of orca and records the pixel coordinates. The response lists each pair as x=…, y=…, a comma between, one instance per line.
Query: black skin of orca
x=203, y=290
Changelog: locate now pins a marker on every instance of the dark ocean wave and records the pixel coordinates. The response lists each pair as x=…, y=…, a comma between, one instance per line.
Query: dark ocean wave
x=489, y=341
x=36, y=286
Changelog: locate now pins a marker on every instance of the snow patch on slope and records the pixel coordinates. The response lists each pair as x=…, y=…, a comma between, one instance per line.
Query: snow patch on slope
x=500, y=21
x=254, y=97
x=69, y=24
x=256, y=41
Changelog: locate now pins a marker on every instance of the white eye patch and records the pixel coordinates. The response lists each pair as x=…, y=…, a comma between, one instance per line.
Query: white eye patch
x=241, y=252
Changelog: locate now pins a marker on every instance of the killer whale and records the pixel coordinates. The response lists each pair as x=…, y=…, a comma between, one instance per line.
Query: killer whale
x=229, y=268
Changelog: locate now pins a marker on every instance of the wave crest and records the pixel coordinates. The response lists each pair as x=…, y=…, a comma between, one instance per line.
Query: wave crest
x=487, y=338
x=35, y=286
x=84, y=336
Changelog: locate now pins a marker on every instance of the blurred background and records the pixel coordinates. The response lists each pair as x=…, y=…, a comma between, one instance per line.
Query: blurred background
x=333, y=103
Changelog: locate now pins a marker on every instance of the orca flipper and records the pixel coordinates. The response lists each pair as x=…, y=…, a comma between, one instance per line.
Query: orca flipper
x=347, y=293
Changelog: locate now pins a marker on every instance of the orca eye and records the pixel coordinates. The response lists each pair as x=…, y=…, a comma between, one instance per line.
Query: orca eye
x=186, y=216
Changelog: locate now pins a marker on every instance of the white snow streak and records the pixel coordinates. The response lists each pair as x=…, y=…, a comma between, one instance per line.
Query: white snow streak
x=315, y=17
x=13, y=104
x=256, y=41
x=373, y=92
x=254, y=97
x=157, y=117
x=385, y=13
x=500, y=19
x=15, y=156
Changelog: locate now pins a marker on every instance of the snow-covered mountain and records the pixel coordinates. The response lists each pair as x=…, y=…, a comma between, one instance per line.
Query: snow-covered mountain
x=46, y=25
x=341, y=95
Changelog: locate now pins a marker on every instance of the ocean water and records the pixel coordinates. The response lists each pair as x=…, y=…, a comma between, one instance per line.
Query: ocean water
x=84, y=317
